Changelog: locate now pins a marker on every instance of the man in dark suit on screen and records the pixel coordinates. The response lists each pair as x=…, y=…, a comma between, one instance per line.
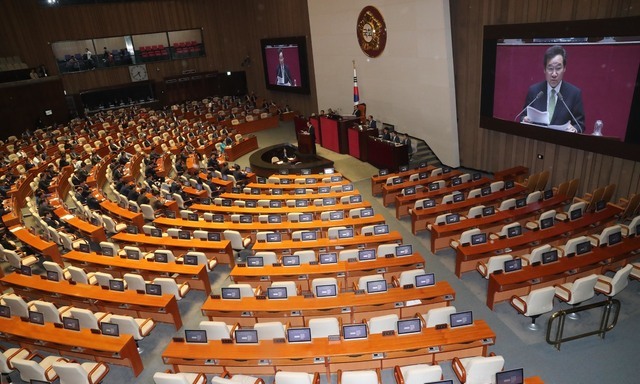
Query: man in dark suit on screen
x=560, y=98
x=283, y=75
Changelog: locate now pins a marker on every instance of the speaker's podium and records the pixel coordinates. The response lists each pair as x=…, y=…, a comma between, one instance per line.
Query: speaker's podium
x=305, y=144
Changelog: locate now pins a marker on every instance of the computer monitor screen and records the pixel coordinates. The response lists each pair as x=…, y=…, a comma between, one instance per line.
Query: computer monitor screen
x=85, y=248
x=409, y=326
x=428, y=203
x=478, y=238
x=575, y=214
x=275, y=204
x=218, y=218
x=299, y=335
x=326, y=290
x=246, y=219
x=376, y=286
x=458, y=197
x=156, y=232
x=336, y=179
x=347, y=188
x=366, y=254
x=71, y=323
x=206, y=201
x=25, y=270
x=345, y=233
x=383, y=172
x=600, y=205
x=311, y=180
x=329, y=201
x=485, y=191
x=302, y=203
x=328, y=258
x=132, y=229
x=214, y=236
x=404, y=250
x=409, y=191
x=53, y=276
x=170, y=214
x=5, y=311
x=403, y=168
x=308, y=235
x=161, y=257
x=323, y=190
x=514, y=231
x=521, y=202
x=509, y=184
x=461, y=319
x=397, y=180
x=423, y=175
x=184, y=235
x=132, y=254
x=36, y=317
x=290, y=260
x=283, y=171
x=274, y=237
x=476, y=176
x=328, y=171
x=116, y=285
x=354, y=331
x=513, y=265
x=305, y=218
x=275, y=293
x=425, y=280
x=366, y=212
x=261, y=180
x=381, y=229
x=550, y=256
x=452, y=218
x=456, y=181
x=192, y=216
x=513, y=376
x=488, y=211
x=300, y=191
x=355, y=199
x=274, y=219
x=255, y=261
x=615, y=238
x=190, y=260
x=153, y=289
x=255, y=191
x=109, y=329
x=107, y=251
x=230, y=293
x=247, y=170
x=583, y=247
x=305, y=171
x=546, y=223
x=246, y=336
x=227, y=202
x=195, y=336
x=434, y=186
x=547, y=194
x=446, y=170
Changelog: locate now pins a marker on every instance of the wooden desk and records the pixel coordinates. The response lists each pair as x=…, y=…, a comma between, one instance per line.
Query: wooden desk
x=329, y=244
x=566, y=269
x=378, y=181
x=83, y=344
x=160, y=308
x=345, y=272
x=388, y=155
x=293, y=177
x=421, y=217
x=124, y=214
x=294, y=185
x=220, y=249
x=288, y=196
x=196, y=275
x=324, y=356
x=95, y=232
x=315, y=209
x=404, y=202
x=46, y=248
x=468, y=256
x=239, y=149
x=389, y=192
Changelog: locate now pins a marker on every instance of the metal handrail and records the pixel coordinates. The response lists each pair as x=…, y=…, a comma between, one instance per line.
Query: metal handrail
x=607, y=323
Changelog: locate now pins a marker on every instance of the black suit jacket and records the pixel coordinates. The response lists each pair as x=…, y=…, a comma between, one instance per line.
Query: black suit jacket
x=572, y=96
x=286, y=76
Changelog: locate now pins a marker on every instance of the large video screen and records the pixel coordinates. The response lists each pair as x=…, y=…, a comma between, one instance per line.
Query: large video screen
x=579, y=87
x=285, y=64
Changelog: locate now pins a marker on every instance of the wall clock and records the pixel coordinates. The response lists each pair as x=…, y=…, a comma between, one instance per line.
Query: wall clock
x=138, y=72
x=371, y=31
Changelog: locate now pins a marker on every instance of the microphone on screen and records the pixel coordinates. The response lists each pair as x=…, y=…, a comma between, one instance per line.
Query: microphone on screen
x=579, y=128
x=539, y=95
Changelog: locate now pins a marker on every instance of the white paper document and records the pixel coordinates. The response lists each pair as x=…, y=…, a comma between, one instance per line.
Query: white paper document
x=537, y=116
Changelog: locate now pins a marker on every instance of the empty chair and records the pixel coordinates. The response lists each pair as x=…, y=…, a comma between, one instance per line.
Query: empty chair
x=292, y=289
x=270, y=330
x=533, y=197
x=508, y=204
x=497, y=186
x=138, y=328
x=324, y=281
x=536, y=254
x=85, y=373
x=465, y=237
x=88, y=319
x=261, y=236
x=293, y=217
x=8, y=355
x=16, y=304
x=408, y=277
x=17, y=260
x=103, y=279
x=179, y=378
x=203, y=260
x=437, y=316
x=363, y=280
x=603, y=238
x=107, y=247
x=386, y=249
x=200, y=234
x=268, y=257
x=322, y=327
x=217, y=330
x=417, y=374
x=55, y=267
x=238, y=243
x=493, y=264
x=227, y=378
x=347, y=254
x=367, y=230
x=245, y=290
x=306, y=256
x=477, y=370
x=504, y=231
x=581, y=205
x=475, y=211
x=580, y=290
x=548, y=215
x=284, y=377
x=167, y=253
x=630, y=230
x=359, y=377
x=174, y=233
x=111, y=226
x=169, y=286
x=570, y=247
x=537, y=302
x=34, y=370
x=51, y=313
x=130, y=249
x=81, y=276
x=332, y=232
x=379, y=324
x=611, y=286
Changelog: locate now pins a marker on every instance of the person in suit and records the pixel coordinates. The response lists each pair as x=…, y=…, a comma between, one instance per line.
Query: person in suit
x=404, y=139
x=283, y=75
x=385, y=134
x=370, y=122
x=356, y=111
x=555, y=66
x=394, y=137
x=312, y=134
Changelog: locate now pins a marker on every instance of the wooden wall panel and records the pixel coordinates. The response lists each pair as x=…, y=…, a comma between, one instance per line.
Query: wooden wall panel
x=492, y=151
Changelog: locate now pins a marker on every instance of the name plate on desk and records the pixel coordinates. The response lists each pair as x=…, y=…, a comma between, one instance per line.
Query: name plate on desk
x=334, y=337
x=226, y=341
x=388, y=333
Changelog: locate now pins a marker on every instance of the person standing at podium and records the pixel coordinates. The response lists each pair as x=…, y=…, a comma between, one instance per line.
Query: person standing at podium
x=311, y=131
x=283, y=75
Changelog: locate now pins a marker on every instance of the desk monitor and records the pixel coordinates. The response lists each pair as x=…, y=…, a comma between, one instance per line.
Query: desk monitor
x=547, y=194
x=301, y=203
x=184, y=235
x=308, y=236
x=122, y=204
x=206, y=201
x=550, y=256
x=452, y=218
x=133, y=254
x=255, y=191
x=328, y=201
x=168, y=197
x=514, y=231
x=36, y=317
x=195, y=336
x=383, y=172
x=275, y=204
x=329, y=171
x=133, y=208
x=461, y=319
x=300, y=191
x=261, y=180
x=246, y=219
x=323, y=190
x=403, y=168
x=478, y=238
x=255, y=261
x=247, y=170
x=513, y=265
x=476, y=176
x=5, y=311
x=422, y=164
x=458, y=197
x=160, y=257
x=521, y=202
x=85, y=248
x=246, y=336
x=377, y=286
x=485, y=191
x=357, y=199
x=600, y=205
x=156, y=232
x=423, y=175
x=53, y=276
x=214, y=236
x=132, y=229
x=71, y=323
x=409, y=326
x=446, y=170
x=546, y=223
x=513, y=376
x=366, y=212
x=285, y=181
x=434, y=186
x=109, y=329
x=225, y=177
x=305, y=171
x=366, y=254
x=305, y=217
x=153, y=289
x=275, y=237
x=614, y=238
x=345, y=233
x=310, y=180
x=509, y=184
x=230, y=293
x=192, y=216
x=251, y=203
x=218, y=218
x=409, y=191
x=428, y=203
x=116, y=285
x=328, y=258
x=404, y=250
x=170, y=214
x=425, y=280
x=347, y=188
x=274, y=219
x=275, y=293
x=397, y=180
x=25, y=270
x=290, y=260
x=283, y=171
x=440, y=382
x=95, y=221
x=583, y=247
x=381, y=229
x=190, y=260
x=354, y=331
x=107, y=251
x=326, y=290
x=299, y=335
x=456, y=181
x=488, y=211
x=336, y=179
x=227, y=202
x=575, y=214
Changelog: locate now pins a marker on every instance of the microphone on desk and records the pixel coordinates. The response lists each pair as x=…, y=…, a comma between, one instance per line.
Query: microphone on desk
x=539, y=95
x=579, y=128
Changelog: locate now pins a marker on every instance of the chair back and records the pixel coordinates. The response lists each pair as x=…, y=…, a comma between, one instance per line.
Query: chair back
x=86, y=318
x=322, y=327
x=409, y=277
x=16, y=304
x=127, y=325
x=421, y=373
x=466, y=235
x=533, y=197
x=168, y=286
x=245, y=289
x=582, y=289
x=437, y=316
x=270, y=330
x=332, y=233
x=497, y=186
x=134, y=281
x=507, y=204
x=292, y=290
x=540, y=301
x=386, y=249
x=283, y=377
x=536, y=253
x=30, y=370
x=323, y=281
x=71, y=373
x=103, y=278
x=48, y=310
x=495, y=263
x=475, y=211
x=171, y=378
x=620, y=279
x=268, y=257
x=358, y=377
x=379, y=324
x=603, y=239
x=306, y=256
x=235, y=239
x=542, y=180
x=483, y=369
x=216, y=330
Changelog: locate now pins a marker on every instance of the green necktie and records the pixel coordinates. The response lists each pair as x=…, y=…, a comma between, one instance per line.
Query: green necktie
x=552, y=104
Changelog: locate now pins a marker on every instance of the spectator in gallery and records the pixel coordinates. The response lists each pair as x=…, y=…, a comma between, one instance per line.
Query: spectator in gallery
x=33, y=74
